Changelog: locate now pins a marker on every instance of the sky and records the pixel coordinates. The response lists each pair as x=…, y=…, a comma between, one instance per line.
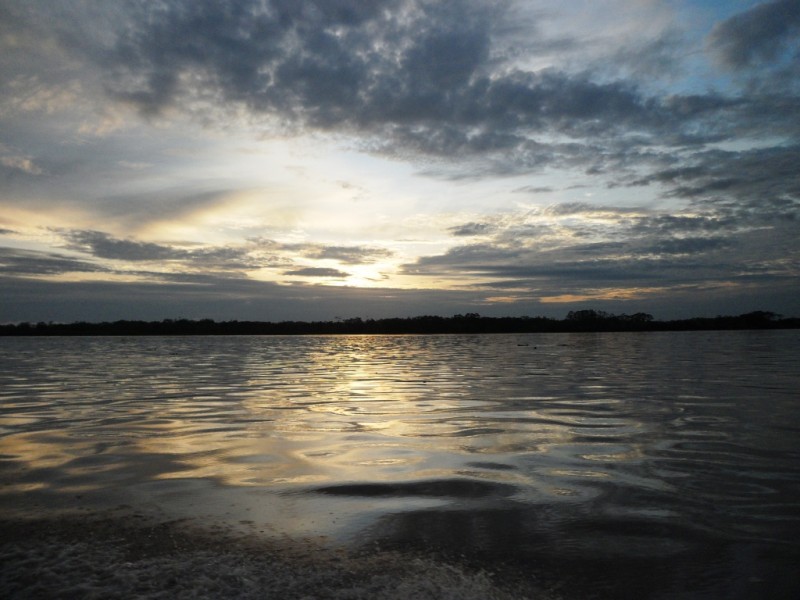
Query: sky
x=331, y=159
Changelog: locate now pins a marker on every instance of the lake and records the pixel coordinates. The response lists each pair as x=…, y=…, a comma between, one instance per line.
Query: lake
x=642, y=465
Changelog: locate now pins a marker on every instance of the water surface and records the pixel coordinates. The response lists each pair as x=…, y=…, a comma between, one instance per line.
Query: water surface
x=623, y=465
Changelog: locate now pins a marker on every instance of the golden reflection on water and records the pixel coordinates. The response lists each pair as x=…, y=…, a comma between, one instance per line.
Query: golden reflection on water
x=279, y=413
x=38, y=450
x=563, y=419
x=634, y=446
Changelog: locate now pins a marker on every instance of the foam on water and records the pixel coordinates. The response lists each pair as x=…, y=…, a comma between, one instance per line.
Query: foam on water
x=126, y=555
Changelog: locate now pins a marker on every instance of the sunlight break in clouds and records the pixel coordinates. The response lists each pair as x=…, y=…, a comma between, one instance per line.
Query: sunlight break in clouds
x=299, y=160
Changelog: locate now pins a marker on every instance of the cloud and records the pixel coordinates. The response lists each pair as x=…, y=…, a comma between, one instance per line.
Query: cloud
x=471, y=229
x=668, y=225
x=103, y=245
x=21, y=163
x=578, y=208
x=692, y=170
x=317, y=272
x=409, y=77
x=689, y=245
x=415, y=80
x=351, y=255
x=468, y=258
x=716, y=242
x=25, y=263
x=225, y=299
x=138, y=209
x=532, y=189
x=761, y=183
x=188, y=258
x=757, y=36
x=667, y=264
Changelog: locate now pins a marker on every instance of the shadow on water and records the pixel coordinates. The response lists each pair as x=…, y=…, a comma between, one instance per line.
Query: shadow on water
x=593, y=559
x=461, y=488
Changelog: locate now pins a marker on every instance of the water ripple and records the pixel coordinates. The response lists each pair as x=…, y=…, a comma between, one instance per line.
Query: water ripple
x=640, y=444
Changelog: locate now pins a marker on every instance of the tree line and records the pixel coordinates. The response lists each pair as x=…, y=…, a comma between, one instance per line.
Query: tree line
x=575, y=321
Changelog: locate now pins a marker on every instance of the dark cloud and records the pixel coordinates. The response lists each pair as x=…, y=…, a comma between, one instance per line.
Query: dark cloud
x=225, y=299
x=472, y=229
x=272, y=56
x=575, y=276
x=103, y=245
x=164, y=205
x=551, y=273
x=692, y=286
x=20, y=263
x=416, y=79
x=668, y=264
x=648, y=58
x=577, y=208
x=688, y=106
x=254, y=253
x=762, y=183
x=413, y=77
x=690, y=245
x=531, y=189
x=667, y=225
x=251, y=255
x=351, y=255
x=758, y=35
x=317, y=272
x=641, y=249
x=467, y=258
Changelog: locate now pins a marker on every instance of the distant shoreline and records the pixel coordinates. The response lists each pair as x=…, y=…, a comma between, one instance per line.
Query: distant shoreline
x=471, y=323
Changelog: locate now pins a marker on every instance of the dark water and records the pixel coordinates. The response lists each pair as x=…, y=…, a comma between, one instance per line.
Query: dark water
x=660, y=465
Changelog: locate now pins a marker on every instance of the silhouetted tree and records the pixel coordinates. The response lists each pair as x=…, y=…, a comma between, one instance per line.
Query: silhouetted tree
x=641, y=317
x=587, y=315
x=580, y=320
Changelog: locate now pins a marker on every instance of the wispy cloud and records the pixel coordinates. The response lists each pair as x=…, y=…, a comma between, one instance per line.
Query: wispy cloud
x=20, y=163
x=25, y=263
x=317, y=272
x=351, y=255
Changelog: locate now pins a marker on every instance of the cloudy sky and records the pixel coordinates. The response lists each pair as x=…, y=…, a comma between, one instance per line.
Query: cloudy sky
x=290, y=159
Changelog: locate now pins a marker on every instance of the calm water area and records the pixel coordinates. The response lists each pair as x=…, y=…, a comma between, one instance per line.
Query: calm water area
x=649, y=465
